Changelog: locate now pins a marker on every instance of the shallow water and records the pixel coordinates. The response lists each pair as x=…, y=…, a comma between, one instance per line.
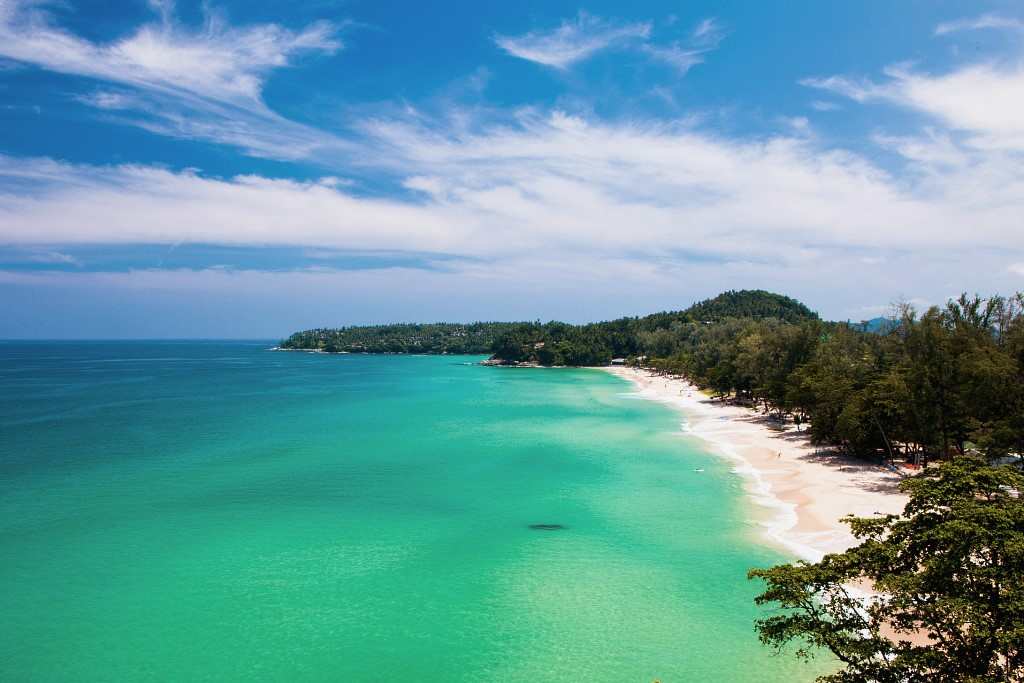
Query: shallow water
x=209, y=510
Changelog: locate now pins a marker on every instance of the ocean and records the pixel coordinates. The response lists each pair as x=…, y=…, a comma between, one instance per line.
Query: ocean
x=218, y=511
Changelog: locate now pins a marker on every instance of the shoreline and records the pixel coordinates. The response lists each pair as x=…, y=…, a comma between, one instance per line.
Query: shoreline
x=804, y=490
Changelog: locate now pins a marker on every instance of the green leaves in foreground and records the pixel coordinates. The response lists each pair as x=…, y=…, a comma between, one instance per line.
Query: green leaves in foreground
x=950, y=574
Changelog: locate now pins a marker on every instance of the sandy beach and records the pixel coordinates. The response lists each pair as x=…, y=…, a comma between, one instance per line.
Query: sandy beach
x=805, y=491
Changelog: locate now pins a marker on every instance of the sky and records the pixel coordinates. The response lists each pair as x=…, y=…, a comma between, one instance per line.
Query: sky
x=247, y=169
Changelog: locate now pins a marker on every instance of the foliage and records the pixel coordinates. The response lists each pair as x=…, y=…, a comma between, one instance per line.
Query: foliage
x=750, y=304
x=431, y=338
x=553, y=343
x=949, y=567
x=557, y=343
x=948, y=382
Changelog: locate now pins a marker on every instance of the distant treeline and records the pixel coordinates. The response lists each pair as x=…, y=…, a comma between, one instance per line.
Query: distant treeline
x=406, y=338
x=552, y=343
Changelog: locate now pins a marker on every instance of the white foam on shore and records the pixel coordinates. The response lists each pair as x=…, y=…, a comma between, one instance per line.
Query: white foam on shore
x=780, y=527
x=781, y=524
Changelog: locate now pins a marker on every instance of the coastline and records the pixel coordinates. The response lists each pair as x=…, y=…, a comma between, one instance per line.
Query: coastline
x=804, y=490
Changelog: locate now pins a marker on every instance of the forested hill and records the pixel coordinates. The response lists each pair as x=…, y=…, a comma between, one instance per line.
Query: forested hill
x=552, y=343
x=748, y=303
x=657, y=334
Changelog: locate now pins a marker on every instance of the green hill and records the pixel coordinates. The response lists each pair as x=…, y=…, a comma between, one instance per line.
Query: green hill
x=749, y=303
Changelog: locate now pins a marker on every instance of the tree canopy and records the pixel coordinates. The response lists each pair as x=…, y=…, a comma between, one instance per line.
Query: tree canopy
x=400, y=338
x=950, y=567
x=658, y=334
x=950, y=381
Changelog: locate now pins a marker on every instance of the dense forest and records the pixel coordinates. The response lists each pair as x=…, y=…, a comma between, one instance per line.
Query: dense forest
x=436, y=338
x=945, y=382
x=557, y=343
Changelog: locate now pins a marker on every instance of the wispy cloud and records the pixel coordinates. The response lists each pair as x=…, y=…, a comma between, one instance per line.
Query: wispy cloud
x=214, y=73
x=108, y=258
x=824, y=105
x=684, y=56
x=578, y=39
x=707, y=28
x=36, y=258
x=857, y=90
x=985, y=21
x=573, y=41
x=217, y=62
x=105, y=99
x=679, y=58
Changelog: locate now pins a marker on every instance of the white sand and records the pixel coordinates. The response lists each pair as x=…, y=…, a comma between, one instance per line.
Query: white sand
x=805, y=492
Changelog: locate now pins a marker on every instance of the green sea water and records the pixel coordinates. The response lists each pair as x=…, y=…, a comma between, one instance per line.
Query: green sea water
x=215, y=511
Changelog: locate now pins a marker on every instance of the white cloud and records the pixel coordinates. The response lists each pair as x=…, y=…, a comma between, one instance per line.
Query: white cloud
x=707, y=28
x=102, y=99
x=165, y=8
x=204, y=82
x=549, y=184
x=46, y=256
x=573, y=41
x=983, y=100
x=1017, y=269
x=799, y=124
x=857, y=90
x=823, y=105
x=985, y=21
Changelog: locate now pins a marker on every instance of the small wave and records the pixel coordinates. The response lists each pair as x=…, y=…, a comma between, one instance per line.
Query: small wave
x=141, y=359
x=632, y=396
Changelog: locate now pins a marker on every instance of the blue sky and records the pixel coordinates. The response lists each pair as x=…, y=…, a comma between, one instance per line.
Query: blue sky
x=246, y=169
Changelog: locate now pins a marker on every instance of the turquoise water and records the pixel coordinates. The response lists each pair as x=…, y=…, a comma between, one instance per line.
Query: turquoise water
x=215, y=511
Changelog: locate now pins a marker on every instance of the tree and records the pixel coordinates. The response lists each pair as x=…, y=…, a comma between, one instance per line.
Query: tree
x=951, y=567
x=825, y=386
x=933, y=381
